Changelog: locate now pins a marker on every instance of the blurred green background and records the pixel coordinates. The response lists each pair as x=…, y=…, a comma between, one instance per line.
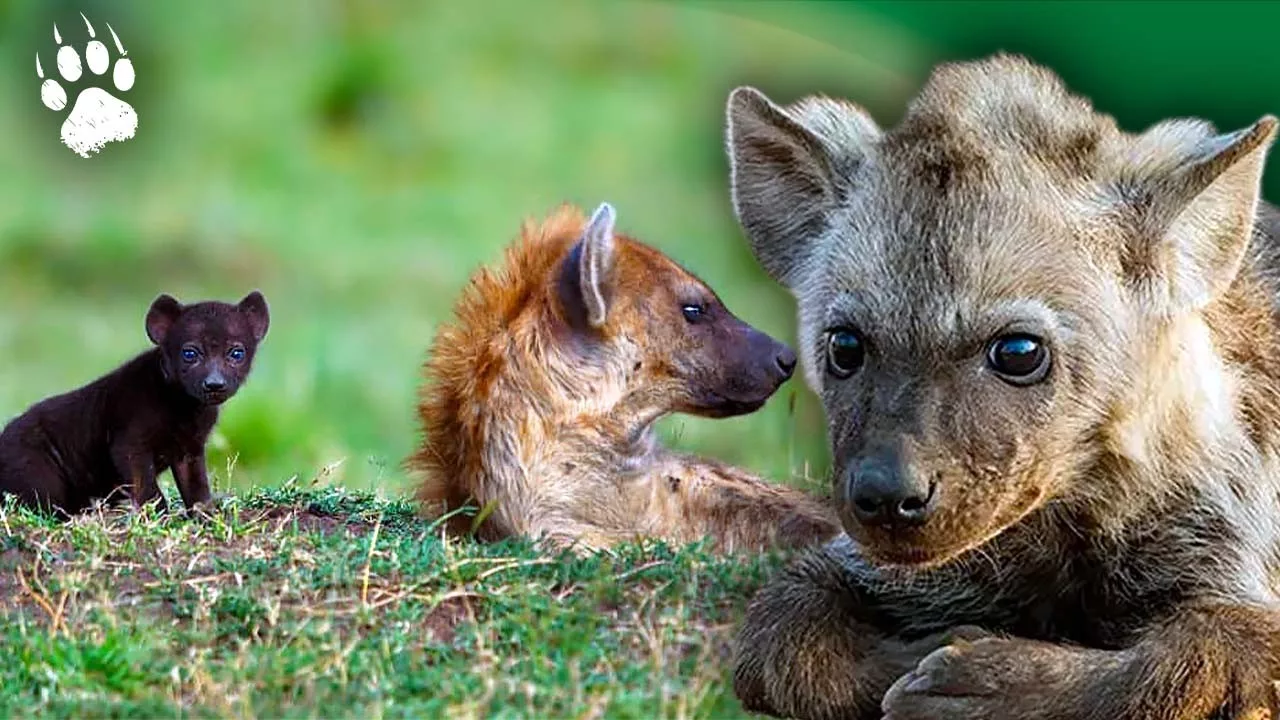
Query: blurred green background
x=358, y=160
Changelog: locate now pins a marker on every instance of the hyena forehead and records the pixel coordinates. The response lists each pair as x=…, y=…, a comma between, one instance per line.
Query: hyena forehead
x=213, y=322
x=993, y=189
x=999, y=116
x=656, y=274
x=997, y=155
x=989, y=149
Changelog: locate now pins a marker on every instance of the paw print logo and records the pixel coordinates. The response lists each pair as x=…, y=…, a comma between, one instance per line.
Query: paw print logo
x=97, y=117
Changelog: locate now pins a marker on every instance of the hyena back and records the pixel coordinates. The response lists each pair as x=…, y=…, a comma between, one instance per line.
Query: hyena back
x=541, y=398
x=1050, y=358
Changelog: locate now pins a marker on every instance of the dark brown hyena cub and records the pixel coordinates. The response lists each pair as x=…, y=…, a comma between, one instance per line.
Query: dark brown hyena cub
x=111, y=438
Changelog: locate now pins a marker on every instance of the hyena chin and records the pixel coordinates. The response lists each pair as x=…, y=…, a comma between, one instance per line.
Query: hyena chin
x=1049, y=352
x=541, y=396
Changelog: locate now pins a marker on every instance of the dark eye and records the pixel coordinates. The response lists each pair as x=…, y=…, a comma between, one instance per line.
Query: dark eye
x=236, y=354
x=190, y=354
x=693, y=312
x=1020, y=359
x=845, y=352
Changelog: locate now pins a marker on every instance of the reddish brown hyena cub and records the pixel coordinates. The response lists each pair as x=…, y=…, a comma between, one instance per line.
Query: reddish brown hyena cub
x=111, y=438
x=541, y=395
x=1049, y=352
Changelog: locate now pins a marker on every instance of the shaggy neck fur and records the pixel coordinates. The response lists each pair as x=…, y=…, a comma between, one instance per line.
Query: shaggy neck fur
x=513, y=396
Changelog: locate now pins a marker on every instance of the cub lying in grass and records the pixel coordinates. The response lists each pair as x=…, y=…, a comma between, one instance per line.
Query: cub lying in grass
x=541, y=396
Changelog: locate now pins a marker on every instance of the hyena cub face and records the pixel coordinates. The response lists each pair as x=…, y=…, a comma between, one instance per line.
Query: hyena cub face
x=988, y=298
x=208, y=347
x=664, y=330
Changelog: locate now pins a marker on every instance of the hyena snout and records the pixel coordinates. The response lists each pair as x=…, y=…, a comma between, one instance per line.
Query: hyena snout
x=216, y=388
x=880, y=493
x=764, y=364
x=743, y=369
x=784, y=362
x=214, y=382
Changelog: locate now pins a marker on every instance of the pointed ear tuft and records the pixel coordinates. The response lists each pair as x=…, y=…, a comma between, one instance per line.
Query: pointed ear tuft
x=595, y=264
x=1203, y=209
x=161, y=316
x=787, y=169
x=254, y=306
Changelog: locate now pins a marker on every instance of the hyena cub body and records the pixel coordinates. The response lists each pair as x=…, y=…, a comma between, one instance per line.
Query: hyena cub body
x=111, y=438
x=542, y=394
x=1049, y=352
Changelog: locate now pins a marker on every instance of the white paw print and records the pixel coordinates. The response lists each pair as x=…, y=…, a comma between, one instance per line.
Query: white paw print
x=97, y=117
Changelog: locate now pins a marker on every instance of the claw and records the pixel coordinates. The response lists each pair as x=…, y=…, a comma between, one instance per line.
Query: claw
x=88, y=25
x=115, y=37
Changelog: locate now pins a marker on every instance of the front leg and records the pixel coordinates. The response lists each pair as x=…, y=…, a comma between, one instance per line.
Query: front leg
x=809, y=647
x=579, y=539
x=137, y=468
x=192, y=478
x=1209, y=662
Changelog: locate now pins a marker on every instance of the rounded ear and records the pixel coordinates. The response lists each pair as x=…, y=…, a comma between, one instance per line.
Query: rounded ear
x=787, y=169
x=254, y=305
x=161, y=316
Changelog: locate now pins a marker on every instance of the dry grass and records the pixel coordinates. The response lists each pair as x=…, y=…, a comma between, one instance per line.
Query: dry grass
x=302, y=603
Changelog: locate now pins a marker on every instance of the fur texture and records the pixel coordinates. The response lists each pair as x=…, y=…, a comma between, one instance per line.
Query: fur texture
x=1111, y=517
x=540, y=398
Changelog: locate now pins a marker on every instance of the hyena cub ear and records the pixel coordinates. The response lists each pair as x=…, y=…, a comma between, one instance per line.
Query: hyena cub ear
x=584, y=278
x=789, y=168
x=1197, y=208
x=161, y=316
x=254, y=306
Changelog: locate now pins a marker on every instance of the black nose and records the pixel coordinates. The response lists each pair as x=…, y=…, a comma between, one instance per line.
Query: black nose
x=786, y=361
x=880, y=494
x=215, y=384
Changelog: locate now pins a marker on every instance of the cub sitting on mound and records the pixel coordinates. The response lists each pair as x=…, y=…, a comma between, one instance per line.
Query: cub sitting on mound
x=541, y=397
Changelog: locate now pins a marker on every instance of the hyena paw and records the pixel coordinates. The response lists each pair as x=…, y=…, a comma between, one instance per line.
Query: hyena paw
x=207, y=508
x=149, y=506
x=989, y=679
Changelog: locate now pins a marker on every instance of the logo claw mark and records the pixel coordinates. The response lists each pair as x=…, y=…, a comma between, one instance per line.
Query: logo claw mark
x=119, y=46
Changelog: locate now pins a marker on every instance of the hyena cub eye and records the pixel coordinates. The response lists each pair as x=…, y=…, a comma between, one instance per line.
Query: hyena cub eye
x=190, y=354
x=1019, y=358
x=236, y=354
x=845, y=352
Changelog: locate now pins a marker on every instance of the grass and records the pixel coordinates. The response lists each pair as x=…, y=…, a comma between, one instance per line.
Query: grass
x=311, y=602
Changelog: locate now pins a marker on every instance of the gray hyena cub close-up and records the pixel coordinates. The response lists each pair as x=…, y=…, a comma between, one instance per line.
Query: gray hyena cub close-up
x=1049, y=355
